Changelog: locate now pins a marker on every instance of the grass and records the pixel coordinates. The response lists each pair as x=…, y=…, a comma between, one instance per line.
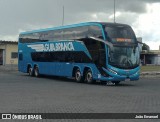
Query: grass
x=150, y=68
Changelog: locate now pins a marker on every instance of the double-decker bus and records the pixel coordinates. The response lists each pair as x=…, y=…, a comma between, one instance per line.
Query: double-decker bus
x=87, y=52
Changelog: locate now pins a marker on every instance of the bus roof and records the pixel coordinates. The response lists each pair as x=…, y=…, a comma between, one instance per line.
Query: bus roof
x=70, y=26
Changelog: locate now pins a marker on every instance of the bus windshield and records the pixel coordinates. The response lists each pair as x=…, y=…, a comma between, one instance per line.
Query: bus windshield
x=119, y=34
x=124, y=57
x=125, y=52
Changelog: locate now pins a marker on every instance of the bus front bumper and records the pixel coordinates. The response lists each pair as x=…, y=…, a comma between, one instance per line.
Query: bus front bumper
x=117, y=77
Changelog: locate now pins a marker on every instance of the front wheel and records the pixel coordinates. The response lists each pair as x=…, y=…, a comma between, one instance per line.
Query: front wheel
x=78, y=77
x=89, y=77
x=36, y=71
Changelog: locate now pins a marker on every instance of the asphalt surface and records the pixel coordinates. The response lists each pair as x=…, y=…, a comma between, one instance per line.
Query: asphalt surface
x=20, y=93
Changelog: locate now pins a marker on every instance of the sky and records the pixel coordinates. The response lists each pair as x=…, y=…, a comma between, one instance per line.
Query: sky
x=24, y=15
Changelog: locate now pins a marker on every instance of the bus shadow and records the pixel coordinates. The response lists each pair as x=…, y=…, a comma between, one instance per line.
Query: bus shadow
x=113, y=85
x=57, y=78
x=65, y=79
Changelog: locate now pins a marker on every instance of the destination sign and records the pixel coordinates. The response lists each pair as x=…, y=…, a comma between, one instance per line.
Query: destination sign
x=123, y=40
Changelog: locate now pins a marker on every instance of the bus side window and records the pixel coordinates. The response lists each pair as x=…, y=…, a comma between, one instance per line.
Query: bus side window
x=58, y=35
x=81, y=32
x=95, y=31
x=68, y=34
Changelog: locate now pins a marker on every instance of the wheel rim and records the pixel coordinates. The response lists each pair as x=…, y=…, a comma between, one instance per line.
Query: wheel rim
x=89, y=77
x=30, y=71
x=78, y=76
x=36, y=72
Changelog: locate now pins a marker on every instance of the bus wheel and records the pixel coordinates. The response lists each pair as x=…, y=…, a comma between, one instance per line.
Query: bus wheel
x=78, y=77
x=36, y=71
x=89, y=77
x=30, y=71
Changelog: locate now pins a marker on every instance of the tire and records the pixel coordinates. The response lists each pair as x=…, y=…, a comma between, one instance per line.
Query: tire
x=30, y=71
x=89, y=77
x=36, y=71
x=78, y=77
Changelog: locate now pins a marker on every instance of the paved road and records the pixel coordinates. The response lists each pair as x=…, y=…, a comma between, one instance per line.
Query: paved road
x=20, y=93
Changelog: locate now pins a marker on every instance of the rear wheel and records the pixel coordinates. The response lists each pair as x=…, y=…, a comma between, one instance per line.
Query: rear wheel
x=78, y=77
x=30, y=71
x=36, y=71
x=89, y=77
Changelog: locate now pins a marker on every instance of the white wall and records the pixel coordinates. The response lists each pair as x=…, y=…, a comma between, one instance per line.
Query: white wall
x=155, y=60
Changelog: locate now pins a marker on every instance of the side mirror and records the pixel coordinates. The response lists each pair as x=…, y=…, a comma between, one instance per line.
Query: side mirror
x=140, y=45
x=140, y=42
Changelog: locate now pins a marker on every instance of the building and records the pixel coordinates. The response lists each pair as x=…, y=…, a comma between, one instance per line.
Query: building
x=150, y=57
x=8, y=53
x=147, y=56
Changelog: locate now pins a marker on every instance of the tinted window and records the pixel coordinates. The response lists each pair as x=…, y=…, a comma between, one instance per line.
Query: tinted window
x=81, y=32
x=67, y=56
x=62, y=34
x=58, y=35
x=95, y=31
x=32, y=38
x=96, y=50
x=120, y=32
x=46, y=35
x=124, y=57
x=68, y=34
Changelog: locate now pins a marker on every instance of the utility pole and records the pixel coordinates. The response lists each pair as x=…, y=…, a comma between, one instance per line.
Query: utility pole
x=114, y=11
x=63, y=17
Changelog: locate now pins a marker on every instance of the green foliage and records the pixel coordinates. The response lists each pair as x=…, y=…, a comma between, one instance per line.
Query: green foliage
x=145, y=47
x=150, y=68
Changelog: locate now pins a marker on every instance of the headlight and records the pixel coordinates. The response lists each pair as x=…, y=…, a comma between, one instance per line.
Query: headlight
x=112, y=71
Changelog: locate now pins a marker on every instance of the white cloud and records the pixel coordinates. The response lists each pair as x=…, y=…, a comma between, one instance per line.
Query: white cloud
x=147, y=26
x=153, y=46
x=117, y=14
x=9, y=37
x=101, y=16
x=30, y=27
